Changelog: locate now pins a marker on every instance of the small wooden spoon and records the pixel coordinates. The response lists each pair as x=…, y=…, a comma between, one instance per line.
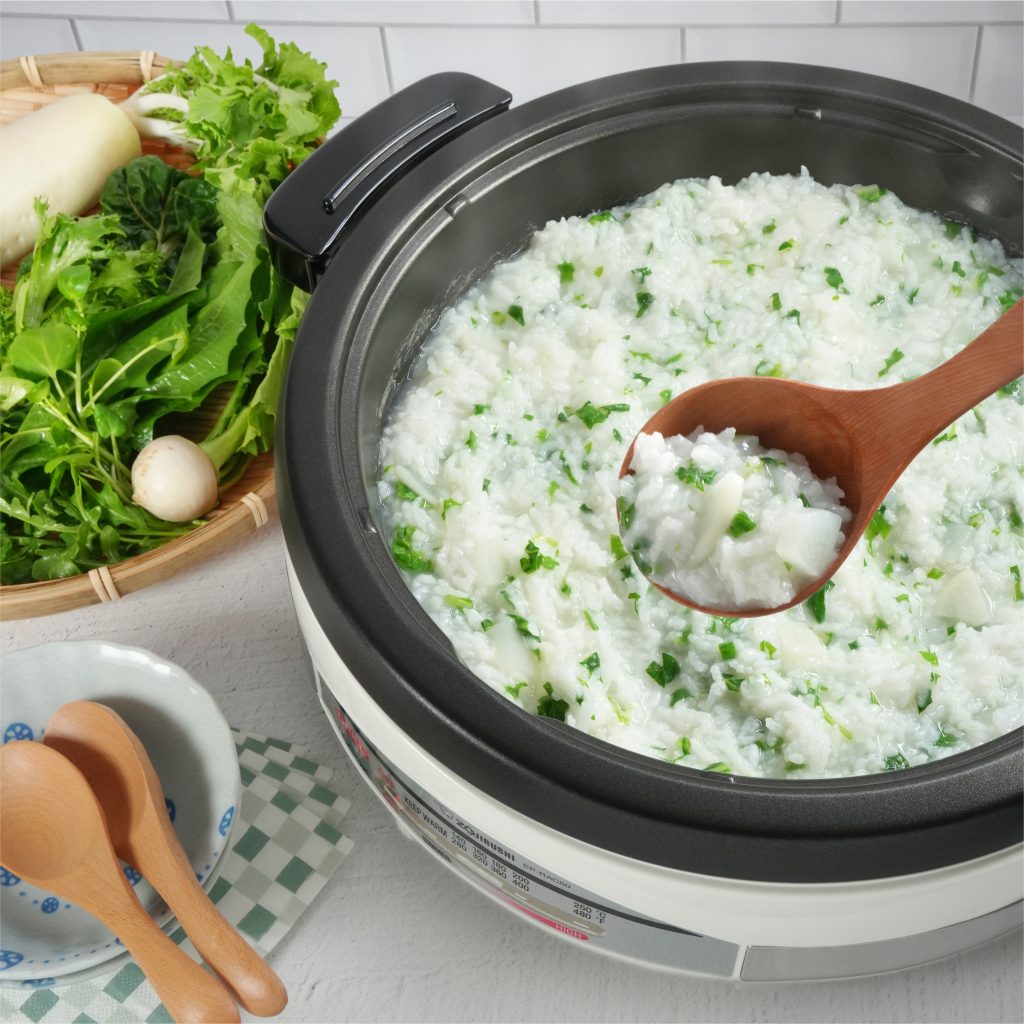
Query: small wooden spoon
x=115, y=763
x=865, y=439
x=52, y=834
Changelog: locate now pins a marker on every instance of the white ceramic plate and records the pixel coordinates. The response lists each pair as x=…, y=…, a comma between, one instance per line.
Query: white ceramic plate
x=192, y=749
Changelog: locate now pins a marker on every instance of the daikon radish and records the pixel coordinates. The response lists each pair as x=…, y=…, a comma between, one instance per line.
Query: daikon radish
x=63, y=154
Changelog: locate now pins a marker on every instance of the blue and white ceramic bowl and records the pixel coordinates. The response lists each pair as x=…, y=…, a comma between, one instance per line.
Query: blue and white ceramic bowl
x=192, y=749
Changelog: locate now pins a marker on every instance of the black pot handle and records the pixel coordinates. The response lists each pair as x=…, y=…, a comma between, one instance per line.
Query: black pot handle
x=305, y=216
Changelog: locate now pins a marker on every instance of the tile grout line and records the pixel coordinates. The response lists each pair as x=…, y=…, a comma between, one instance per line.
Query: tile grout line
x=839, y=12
x=715, y=26
x=387, y=60
x=77, y=37
x=536, y=12
x=682, y=46
x=977, y=62
x=231, y=10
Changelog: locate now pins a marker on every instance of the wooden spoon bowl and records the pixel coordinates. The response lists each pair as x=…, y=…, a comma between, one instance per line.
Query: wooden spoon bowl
x=865, y=439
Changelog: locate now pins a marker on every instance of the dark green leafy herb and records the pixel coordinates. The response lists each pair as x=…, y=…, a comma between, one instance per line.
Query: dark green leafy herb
x=479, y=410
x=471, y=441
x=592, y=662
x=949, y=435
x=912, y=294
x=935, y=574
x=592, y=414
x=878, y=526
x=599, y=218
x=695, y=477
x=890, y=361
x=643, y=303
x=677, y=695
x=788, y=244
x=566, y=272
x=666, y=672
x=816, y=602
x=534, y=559
x=514, y=691
x=550, y=706
x=727, y=649
x=626, y=514
x=958, y=269
x=1018, y=591
x=877, y=300
x=733, y=682
x=665, y=396
x=516, y=312
x=768, y=228
x=924, y=700
x=833, y=278
x=523, y=627
x=776, y=301
x=766, y=368
x=641, y=274
x=931, y=657
x=406, y=555
x=718, y=766
x=449, y=503
x=769, y=648
x=685, y=746
x=895, y=762
x=485, y=624
x=793, y=314
x=945, y=739
x=741, y=524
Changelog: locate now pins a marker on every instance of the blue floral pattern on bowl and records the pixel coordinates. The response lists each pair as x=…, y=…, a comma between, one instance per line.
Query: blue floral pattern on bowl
x=9, y=878
x=18, y=731
x=225, y=821
x=8, y=958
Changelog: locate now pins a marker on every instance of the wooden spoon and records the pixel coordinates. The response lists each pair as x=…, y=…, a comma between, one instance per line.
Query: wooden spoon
x=114, y=762
x=865, y=439
x=52, y=834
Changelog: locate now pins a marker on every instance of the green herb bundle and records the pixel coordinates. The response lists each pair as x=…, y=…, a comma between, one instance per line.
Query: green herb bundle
x=123, y=319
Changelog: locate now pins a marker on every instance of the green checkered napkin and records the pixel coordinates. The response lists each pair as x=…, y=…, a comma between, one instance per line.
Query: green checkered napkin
x=287, y=843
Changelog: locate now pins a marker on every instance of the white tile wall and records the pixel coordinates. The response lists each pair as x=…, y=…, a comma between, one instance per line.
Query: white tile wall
x=19, y=36
x=389, y=12
x=887, y=12
x=939, y=58
x=967, y=48
x=687, y=12
x=180, y=10
x=1000, y=75
x=528, y=61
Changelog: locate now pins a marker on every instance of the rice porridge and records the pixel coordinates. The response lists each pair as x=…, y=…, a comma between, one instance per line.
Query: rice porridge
x=499, y=475
x=726, y=523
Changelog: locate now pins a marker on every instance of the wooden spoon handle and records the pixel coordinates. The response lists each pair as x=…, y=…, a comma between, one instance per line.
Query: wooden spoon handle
x=191, y=995
x=913, y=413
x=161, y=859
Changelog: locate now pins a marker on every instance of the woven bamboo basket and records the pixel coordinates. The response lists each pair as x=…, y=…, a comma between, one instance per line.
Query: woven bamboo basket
x=26, y=85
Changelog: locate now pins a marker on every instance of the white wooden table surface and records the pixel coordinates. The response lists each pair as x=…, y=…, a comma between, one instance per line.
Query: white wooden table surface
x=395, y=936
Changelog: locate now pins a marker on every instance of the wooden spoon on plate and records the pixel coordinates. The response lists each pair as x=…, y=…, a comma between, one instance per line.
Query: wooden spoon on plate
x=113, y=760
x=865, y=439
x=53, y=835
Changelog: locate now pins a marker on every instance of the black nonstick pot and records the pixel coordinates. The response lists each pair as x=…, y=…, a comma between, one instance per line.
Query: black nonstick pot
x=401, y=212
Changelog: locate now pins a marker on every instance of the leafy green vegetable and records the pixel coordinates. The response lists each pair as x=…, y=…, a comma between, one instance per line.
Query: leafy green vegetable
x=591, y=663
x=643, y=303
x=741, y=524
x=816, y=602
x=664, y=673
x=766, y=368
x=124, y=319
x=458, y=603
x=566, y=272
x=592, y=414
x=833, y=278
x=550, y=706
x=727, y=649
x=890, y=361
x=406, y=555
x=516, y=312
x=695, y=477
x=534, y=559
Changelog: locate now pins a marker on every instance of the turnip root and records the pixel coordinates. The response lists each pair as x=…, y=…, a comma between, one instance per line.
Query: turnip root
x=63, y=154
x=173, y=478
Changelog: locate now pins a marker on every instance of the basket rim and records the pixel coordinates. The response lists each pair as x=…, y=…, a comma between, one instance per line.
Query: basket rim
x=120, y=67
